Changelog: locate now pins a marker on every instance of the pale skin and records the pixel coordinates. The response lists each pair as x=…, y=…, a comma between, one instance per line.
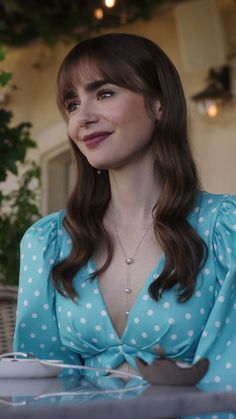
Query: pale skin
x=127, y=155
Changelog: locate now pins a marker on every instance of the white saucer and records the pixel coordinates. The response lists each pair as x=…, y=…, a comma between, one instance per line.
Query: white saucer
x=27, y=368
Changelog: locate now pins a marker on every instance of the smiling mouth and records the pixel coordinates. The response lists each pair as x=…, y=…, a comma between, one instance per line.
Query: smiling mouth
x=93, y=140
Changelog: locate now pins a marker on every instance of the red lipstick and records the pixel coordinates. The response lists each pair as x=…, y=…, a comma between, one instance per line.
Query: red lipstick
x=92, y=140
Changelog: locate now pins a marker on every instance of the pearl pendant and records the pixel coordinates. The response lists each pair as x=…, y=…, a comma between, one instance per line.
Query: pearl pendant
x=129, y=261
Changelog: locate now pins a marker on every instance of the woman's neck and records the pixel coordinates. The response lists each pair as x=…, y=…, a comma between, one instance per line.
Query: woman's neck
x=134, y=192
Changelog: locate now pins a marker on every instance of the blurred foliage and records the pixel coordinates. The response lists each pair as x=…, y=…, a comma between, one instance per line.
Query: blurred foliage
x=22, y=209
x=14, y=142
x=19, y=208
x=63, y=20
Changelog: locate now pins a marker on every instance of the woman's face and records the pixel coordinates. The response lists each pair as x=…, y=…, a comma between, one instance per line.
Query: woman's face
x=109, y=123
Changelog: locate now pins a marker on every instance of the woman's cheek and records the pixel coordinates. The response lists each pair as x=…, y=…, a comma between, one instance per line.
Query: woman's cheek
x=72, y=131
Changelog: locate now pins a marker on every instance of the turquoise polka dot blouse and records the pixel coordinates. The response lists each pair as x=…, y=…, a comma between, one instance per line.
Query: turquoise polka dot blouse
x=54, y=327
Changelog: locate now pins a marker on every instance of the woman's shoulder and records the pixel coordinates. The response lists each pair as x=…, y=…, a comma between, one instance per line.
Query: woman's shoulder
x=208, y=206
x=41, y=248
x=213, y=211
x=45, y=230
x=207, y=200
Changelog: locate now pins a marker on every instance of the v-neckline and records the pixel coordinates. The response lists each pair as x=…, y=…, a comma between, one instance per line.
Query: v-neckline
x=155, y=271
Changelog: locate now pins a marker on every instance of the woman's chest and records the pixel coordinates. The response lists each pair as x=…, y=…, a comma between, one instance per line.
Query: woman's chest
x=122, y=283
x=88, y=326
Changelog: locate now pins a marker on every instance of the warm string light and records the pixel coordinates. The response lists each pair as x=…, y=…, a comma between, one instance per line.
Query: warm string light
x=109, y=3
x=98, y=13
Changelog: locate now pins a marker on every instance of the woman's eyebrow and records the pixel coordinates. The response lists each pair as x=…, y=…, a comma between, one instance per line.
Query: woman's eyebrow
x=89, y=87
x=94, y=85
x=69, y=95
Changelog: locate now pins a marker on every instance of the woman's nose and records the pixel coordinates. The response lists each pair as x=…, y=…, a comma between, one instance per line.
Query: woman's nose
x=87, y=115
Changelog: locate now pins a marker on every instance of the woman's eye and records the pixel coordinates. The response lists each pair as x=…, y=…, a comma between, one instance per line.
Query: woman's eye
x=105, y=93
x=72, y=106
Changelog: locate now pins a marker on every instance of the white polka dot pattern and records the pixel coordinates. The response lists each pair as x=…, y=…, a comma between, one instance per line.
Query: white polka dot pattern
x=50, y=325
x=36, y=305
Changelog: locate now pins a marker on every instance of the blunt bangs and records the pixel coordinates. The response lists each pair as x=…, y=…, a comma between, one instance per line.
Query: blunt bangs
x=116, y=62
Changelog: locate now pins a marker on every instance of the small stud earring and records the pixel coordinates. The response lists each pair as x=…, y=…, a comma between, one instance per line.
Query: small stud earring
x=99, y=172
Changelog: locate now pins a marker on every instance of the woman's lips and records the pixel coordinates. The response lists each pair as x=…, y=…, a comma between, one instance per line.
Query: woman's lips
x=93, y=140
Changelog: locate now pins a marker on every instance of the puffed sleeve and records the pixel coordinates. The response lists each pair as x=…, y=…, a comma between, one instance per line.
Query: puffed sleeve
x=36, y=329
x=218, y=340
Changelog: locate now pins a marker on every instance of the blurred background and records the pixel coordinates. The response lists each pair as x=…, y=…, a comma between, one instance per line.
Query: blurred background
x=35, y=168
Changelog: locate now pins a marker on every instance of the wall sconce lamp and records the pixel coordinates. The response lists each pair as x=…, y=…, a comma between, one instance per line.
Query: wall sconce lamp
x=218, y=91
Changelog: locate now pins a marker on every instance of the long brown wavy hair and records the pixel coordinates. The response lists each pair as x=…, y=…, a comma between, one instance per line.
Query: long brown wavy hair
x=138, y=64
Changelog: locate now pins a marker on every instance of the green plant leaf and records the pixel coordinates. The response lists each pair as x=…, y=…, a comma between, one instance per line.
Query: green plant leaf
x=4, y=78
x=2, y=53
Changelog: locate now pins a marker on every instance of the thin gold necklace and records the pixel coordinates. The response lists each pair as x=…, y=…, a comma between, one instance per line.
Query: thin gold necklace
x=129, y=260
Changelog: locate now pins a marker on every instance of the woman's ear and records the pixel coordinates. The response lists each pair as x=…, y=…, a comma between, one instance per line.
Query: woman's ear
x=158, y=110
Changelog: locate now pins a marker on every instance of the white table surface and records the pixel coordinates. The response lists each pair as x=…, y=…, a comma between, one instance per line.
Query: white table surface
x=153, y=403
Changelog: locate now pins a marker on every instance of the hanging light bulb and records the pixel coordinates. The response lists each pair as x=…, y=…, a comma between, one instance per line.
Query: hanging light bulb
x=110, y=3
x=98, y=13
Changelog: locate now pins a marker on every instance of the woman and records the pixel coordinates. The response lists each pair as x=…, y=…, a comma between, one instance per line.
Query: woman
x=141, y=257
